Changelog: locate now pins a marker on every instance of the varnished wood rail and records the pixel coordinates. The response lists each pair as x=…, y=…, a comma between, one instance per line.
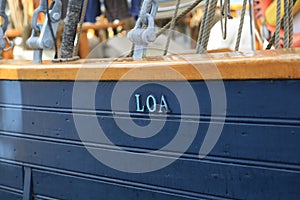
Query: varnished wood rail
x=273, y=64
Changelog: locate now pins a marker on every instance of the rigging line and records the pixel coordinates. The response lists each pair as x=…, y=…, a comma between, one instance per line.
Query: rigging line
x=272, y=40
x=286, y=26
x=51, y=29
x=252, y=25
x=179, y=17
x=291, y=24
x=208, y=25
x=172, y=27
x=83, y=12
x=201, y=28
x=238, y=40
x=225, y=13
x=278, y=27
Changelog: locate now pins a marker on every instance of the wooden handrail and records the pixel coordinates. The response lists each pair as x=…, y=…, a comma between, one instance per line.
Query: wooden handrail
x=273, y=64
x=99, y=26
x=12, y=33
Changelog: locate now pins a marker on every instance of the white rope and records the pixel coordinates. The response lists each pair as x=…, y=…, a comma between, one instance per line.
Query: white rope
x=238, y=41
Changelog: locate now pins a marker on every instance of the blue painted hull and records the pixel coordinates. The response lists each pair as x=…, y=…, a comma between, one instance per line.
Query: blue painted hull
x=256, y=157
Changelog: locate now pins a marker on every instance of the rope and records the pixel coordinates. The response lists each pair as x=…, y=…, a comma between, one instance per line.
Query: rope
x=252, y=25
x=291, y=24
x=225, y=13
x=272, y=40
x=179, y=17
x=83, y=12
x=208, y=25
x=238, y=41
x=201, y=30
x=172, y=26
x=278, y=27
x=286, y=25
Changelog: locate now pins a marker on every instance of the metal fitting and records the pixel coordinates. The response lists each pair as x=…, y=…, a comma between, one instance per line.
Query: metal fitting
x=3, y=38
x=41, y=37
x=140, y=36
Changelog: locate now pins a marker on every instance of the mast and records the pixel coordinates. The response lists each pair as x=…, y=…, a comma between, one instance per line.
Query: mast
x=71, y=21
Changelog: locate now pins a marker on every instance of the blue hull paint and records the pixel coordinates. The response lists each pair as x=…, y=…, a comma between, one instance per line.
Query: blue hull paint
x=256, y=157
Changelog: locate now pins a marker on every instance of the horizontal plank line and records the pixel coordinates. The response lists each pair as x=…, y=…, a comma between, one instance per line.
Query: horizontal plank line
x=167, y=154
x=188, y=118
x=41, y=197
x=115, y=181
x=10, y=189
